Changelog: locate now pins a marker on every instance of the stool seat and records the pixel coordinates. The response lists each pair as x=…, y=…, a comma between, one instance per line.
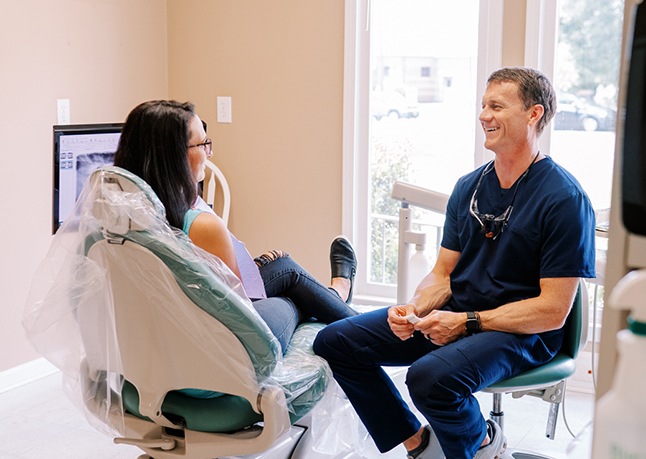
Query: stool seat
x=561, y=367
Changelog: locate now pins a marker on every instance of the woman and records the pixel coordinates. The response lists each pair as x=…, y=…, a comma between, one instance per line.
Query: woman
x=165, y=143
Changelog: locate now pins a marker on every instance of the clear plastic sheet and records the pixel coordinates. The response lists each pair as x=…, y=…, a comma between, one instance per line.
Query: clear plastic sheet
x=79, y=306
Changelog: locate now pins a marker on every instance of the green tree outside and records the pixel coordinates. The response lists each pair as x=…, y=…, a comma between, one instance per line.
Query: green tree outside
x=590, y=59
x=389, y=160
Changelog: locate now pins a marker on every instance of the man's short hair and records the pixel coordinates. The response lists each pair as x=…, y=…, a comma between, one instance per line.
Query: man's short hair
x=533, y=88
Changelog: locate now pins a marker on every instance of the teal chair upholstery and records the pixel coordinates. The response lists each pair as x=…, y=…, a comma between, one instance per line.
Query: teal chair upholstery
x=236, y=394
x=548, y=381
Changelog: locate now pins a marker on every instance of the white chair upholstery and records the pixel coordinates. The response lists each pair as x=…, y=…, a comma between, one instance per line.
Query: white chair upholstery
x=216, y=188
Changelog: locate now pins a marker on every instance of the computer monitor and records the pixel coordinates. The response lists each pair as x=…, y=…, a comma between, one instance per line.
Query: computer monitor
x=78, y=151
x=633, y=179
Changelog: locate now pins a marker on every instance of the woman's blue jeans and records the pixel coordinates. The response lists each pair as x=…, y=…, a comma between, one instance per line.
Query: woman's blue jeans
x=294, y=295
x=441, y=380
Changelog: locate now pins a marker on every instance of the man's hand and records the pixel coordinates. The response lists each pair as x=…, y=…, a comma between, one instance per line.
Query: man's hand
x=398, y=321
x=442, y=327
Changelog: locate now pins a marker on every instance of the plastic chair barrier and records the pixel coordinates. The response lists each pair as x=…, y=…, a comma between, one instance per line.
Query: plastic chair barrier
x=111, y=330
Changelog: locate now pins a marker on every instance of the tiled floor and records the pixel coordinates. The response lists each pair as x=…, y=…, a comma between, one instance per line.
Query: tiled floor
x=38, y=421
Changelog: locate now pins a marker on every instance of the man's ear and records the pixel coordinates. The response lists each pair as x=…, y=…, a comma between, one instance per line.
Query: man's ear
x=536, y=114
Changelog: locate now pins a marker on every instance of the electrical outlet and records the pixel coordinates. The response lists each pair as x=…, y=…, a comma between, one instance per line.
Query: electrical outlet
x=224, y=109
x=63, y=111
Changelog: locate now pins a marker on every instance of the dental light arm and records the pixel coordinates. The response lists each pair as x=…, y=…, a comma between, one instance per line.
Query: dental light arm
x=412, y=195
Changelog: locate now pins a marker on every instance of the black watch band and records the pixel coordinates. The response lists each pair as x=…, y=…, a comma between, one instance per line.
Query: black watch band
x=473, y=323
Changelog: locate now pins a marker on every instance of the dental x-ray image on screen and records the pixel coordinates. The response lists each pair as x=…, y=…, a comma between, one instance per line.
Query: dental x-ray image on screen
x=78, y=151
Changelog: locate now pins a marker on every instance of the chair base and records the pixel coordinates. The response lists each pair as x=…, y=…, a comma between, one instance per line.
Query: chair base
x=553, y=395
x=282, y=449
x=520, y=454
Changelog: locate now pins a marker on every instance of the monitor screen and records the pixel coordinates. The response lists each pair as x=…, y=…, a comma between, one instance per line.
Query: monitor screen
x=78, y=151
x=633, y=178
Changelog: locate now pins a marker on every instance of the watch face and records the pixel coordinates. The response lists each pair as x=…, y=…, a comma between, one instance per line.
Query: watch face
x=473, y=325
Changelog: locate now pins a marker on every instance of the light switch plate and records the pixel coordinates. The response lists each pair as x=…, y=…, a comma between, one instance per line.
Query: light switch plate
x=63, y=111
x=224, y=109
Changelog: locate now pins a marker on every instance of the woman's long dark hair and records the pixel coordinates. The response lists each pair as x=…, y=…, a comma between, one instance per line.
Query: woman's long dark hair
x=153, y=145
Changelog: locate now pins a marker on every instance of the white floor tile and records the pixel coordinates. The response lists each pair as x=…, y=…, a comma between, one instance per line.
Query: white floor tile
x=40, y=421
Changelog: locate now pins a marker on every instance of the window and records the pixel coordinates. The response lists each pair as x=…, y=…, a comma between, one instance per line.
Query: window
x=586, y=78
x=415, y=74
x=417, y=124
x=412, y=77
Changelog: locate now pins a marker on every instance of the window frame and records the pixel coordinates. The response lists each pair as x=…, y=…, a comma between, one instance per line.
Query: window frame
x=541, y=24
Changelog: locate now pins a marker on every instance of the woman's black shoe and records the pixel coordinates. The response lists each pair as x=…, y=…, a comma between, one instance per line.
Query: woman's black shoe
x=343, y=262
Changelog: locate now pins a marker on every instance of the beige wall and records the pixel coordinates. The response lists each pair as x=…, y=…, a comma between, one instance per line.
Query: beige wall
x=104, y=56
x=513, y=33
x=280, y=61
x=282, y=64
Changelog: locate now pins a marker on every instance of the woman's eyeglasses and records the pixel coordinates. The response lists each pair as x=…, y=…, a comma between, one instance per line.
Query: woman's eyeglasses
x=207, y=144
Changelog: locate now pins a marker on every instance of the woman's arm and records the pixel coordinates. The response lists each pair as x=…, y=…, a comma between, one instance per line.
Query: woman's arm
x=209, y=232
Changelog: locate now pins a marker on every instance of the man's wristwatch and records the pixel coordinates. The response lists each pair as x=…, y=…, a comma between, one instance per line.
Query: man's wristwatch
x=473, y=323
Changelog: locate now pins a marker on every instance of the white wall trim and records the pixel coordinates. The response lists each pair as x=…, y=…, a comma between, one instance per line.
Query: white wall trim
x=348, y=221
x=541, y=28
x=355, y=130
x=25, y=373
x=490, y=43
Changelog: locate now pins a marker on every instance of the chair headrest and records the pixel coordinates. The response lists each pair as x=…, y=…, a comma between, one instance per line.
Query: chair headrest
x=123, y=202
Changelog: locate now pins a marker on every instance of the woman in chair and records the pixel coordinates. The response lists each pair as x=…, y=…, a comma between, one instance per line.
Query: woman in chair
x=165, y=144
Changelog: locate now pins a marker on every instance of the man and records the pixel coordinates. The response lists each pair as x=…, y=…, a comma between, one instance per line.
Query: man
x=496, y=300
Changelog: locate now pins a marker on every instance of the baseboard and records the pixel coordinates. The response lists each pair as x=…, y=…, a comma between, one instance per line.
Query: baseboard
x=371, y=300
x=25, y=373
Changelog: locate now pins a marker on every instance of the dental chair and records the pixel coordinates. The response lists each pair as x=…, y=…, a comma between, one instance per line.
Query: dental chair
x=547, y=381
x=157, y=340
x=216, y=192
